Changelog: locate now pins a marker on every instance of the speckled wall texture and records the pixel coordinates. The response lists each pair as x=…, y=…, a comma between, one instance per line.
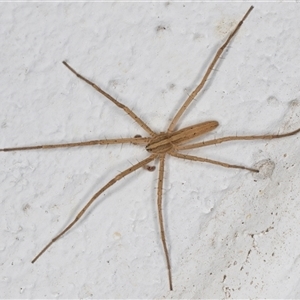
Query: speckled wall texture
x=230, y=233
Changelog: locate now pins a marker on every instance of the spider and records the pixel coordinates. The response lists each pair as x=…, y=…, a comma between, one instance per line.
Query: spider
x=159, y=145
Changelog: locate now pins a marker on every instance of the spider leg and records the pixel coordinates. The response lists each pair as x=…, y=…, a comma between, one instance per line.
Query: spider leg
x=235, y=138
x=116, y=102
x=210, y=161
x=160, y=215
x=96, y=195
x=136, y=141
x=207, y=73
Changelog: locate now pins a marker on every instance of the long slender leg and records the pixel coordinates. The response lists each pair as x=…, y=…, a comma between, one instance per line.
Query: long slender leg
x=206, y=75
x=136, y=141
x=210, y=161
x=89, y=203
x=160, y=215
x=235, y=138
x=116, y=102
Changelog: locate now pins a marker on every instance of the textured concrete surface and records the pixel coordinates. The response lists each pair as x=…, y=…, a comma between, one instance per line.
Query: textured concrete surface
x=230, y=233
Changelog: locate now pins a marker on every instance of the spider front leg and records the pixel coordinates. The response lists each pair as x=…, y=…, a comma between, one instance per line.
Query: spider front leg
x=96, y=195
x=113, y=100
x=210, y=68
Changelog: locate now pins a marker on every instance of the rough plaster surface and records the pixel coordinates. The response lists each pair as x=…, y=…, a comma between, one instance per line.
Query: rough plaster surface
x=230, y=233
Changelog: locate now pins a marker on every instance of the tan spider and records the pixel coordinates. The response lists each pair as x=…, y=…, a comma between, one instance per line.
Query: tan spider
x=159, y=145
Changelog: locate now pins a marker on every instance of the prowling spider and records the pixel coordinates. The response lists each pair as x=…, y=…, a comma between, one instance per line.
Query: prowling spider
x=159, y=145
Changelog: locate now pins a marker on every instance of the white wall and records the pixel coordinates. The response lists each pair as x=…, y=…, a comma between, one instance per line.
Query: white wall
x=220, y=222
